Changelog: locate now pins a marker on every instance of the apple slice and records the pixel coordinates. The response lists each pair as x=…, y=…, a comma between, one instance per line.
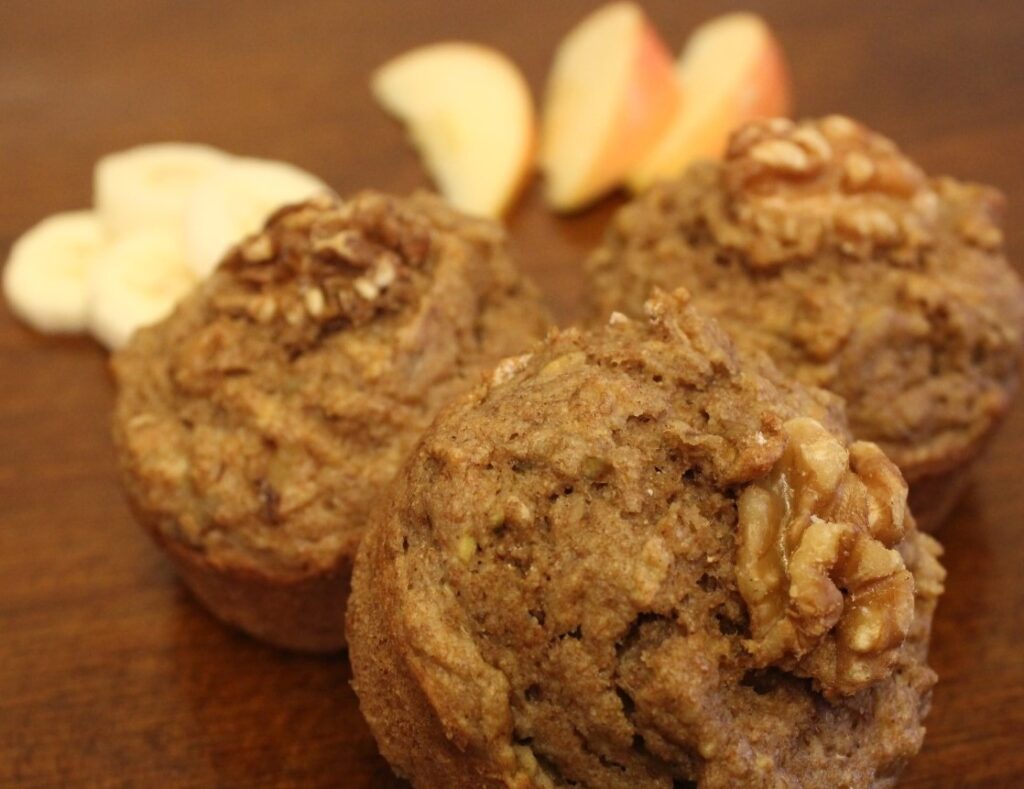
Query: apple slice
x=611, y=94
x=732, y=70
x=469, y=114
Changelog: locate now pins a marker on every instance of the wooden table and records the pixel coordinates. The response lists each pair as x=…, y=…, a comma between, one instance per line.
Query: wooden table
x=109, y=674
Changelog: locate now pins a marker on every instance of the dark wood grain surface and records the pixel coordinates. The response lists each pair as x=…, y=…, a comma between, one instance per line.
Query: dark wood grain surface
x=109, y=674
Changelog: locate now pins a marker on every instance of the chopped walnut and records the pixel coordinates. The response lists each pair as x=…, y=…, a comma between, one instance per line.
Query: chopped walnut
x=263, y=309
x=347, y=245
x=314, y=298
x=506, y=369
x=858, y=170
x=366, y=288
x=384, y=273
x=813, y=141
x=258, y=248
x=781, y=155
x=819, y=564
x=791, y=188
x=921, y=555
x=325, y=264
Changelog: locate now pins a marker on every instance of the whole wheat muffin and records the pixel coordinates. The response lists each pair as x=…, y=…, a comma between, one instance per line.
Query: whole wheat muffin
x=257, y=425
x=635, y=558
x=823, y=245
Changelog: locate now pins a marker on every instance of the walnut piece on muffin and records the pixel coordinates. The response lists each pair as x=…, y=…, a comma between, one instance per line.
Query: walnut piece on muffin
x=257, y=425
x=826, y=590
x=641, y=558
x=820, y=243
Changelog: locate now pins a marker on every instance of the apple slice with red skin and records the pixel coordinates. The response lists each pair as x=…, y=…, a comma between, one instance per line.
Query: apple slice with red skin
x=732, y=70
x=611, y=94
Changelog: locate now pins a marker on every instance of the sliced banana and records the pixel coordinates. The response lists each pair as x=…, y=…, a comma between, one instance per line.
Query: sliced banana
x=235, y=202
x=135, y=282
x=125, y=265
x=45, y=279
x=148, y=186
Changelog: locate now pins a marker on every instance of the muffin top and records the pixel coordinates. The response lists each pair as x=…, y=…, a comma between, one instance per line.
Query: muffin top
x=822, y=244
x=639, y=558
x=261, y=419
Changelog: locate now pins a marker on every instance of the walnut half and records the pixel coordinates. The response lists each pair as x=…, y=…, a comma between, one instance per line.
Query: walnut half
x=829, y=595
x=797, y=188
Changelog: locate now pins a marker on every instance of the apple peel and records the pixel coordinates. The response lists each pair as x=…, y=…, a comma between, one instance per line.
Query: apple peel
x=611, y=94
x=733, y=70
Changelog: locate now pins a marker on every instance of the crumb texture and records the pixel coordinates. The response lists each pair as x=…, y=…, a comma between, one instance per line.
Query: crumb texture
x=821, y=244
x=567, y=585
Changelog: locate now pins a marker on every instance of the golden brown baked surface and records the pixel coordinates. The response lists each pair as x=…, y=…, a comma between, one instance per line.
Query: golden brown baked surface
x=823, y=245
x=259, y=422
x=579, y=578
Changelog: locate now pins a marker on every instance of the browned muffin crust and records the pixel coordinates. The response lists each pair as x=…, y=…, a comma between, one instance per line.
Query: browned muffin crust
x=634, y=559
x=257, y=424
x=823, y=245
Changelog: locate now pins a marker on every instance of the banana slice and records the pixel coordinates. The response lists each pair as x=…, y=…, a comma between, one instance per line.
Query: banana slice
x=45, y=279
x=235, y=202
x=136, y=281
x=147, y=186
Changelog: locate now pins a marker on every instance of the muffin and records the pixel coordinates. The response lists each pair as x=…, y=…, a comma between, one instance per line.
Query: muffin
x=636, y=558
x=256, y=425
x=823, y=245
